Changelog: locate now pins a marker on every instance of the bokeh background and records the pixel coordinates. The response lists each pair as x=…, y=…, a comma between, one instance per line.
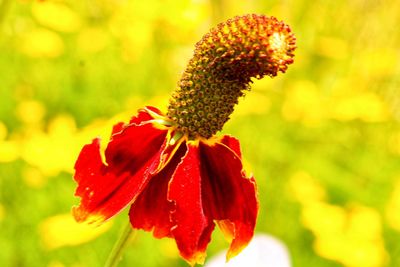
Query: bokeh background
x=323, y=140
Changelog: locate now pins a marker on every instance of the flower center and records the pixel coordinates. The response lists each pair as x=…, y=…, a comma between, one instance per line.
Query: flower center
x=222, y=66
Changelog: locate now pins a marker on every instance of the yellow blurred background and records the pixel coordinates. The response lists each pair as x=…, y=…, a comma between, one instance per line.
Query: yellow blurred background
x=323, y=140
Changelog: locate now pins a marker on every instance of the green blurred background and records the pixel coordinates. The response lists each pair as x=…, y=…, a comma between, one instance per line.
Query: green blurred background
x=323, y=140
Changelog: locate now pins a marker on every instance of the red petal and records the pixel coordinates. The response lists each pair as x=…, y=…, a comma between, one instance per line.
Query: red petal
x=151, y=210
x=193, y=230
x=144, y=116
x=228, y=195
x=118, y=128
x=141, y=118
x=131, y=155
x=232, y=143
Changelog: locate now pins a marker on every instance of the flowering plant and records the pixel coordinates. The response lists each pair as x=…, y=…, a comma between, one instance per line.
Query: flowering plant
x=178, y=177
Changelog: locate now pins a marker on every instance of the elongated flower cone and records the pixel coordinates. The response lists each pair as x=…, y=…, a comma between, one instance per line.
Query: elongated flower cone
x=221, y=69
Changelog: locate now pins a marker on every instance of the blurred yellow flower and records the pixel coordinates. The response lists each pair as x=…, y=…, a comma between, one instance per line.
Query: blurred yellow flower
x=393, y=208
x=377, y=62
x=352, y=253
x=365, y=106
x=62, y=230
x=136, y=37
x=394, y=143
x=306, y=189
x=30, y=111
x=186, y=18
x=41, y=42
x=351, y=236
x=54, y=151
x=134, y=27
x=331, y=47
x=92, y=40
x=193, y=14
x=358, y=229
x=304, y=103
x=324, y=219
x=56, y=16
x=9, y=151
x=33, y=177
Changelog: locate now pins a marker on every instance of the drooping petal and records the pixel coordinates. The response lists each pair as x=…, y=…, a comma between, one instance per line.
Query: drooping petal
x=228, y=195
x=131, y=155
x=151, y=210
x=192, y=230
x=232, y=143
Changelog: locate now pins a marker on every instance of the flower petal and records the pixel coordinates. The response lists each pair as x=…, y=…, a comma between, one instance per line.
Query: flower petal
x=151, y=210
x=193, y=229
x=145, y=116
x=232, y=143
x=228, y=195
x=131, y=155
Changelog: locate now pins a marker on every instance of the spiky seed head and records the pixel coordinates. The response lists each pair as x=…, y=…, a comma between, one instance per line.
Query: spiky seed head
x=220, y=71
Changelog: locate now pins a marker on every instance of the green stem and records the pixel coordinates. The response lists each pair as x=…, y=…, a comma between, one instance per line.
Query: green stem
x=116, y=253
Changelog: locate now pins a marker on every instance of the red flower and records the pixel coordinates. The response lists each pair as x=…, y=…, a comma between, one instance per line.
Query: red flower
x=177, y=176
x=176, y=189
